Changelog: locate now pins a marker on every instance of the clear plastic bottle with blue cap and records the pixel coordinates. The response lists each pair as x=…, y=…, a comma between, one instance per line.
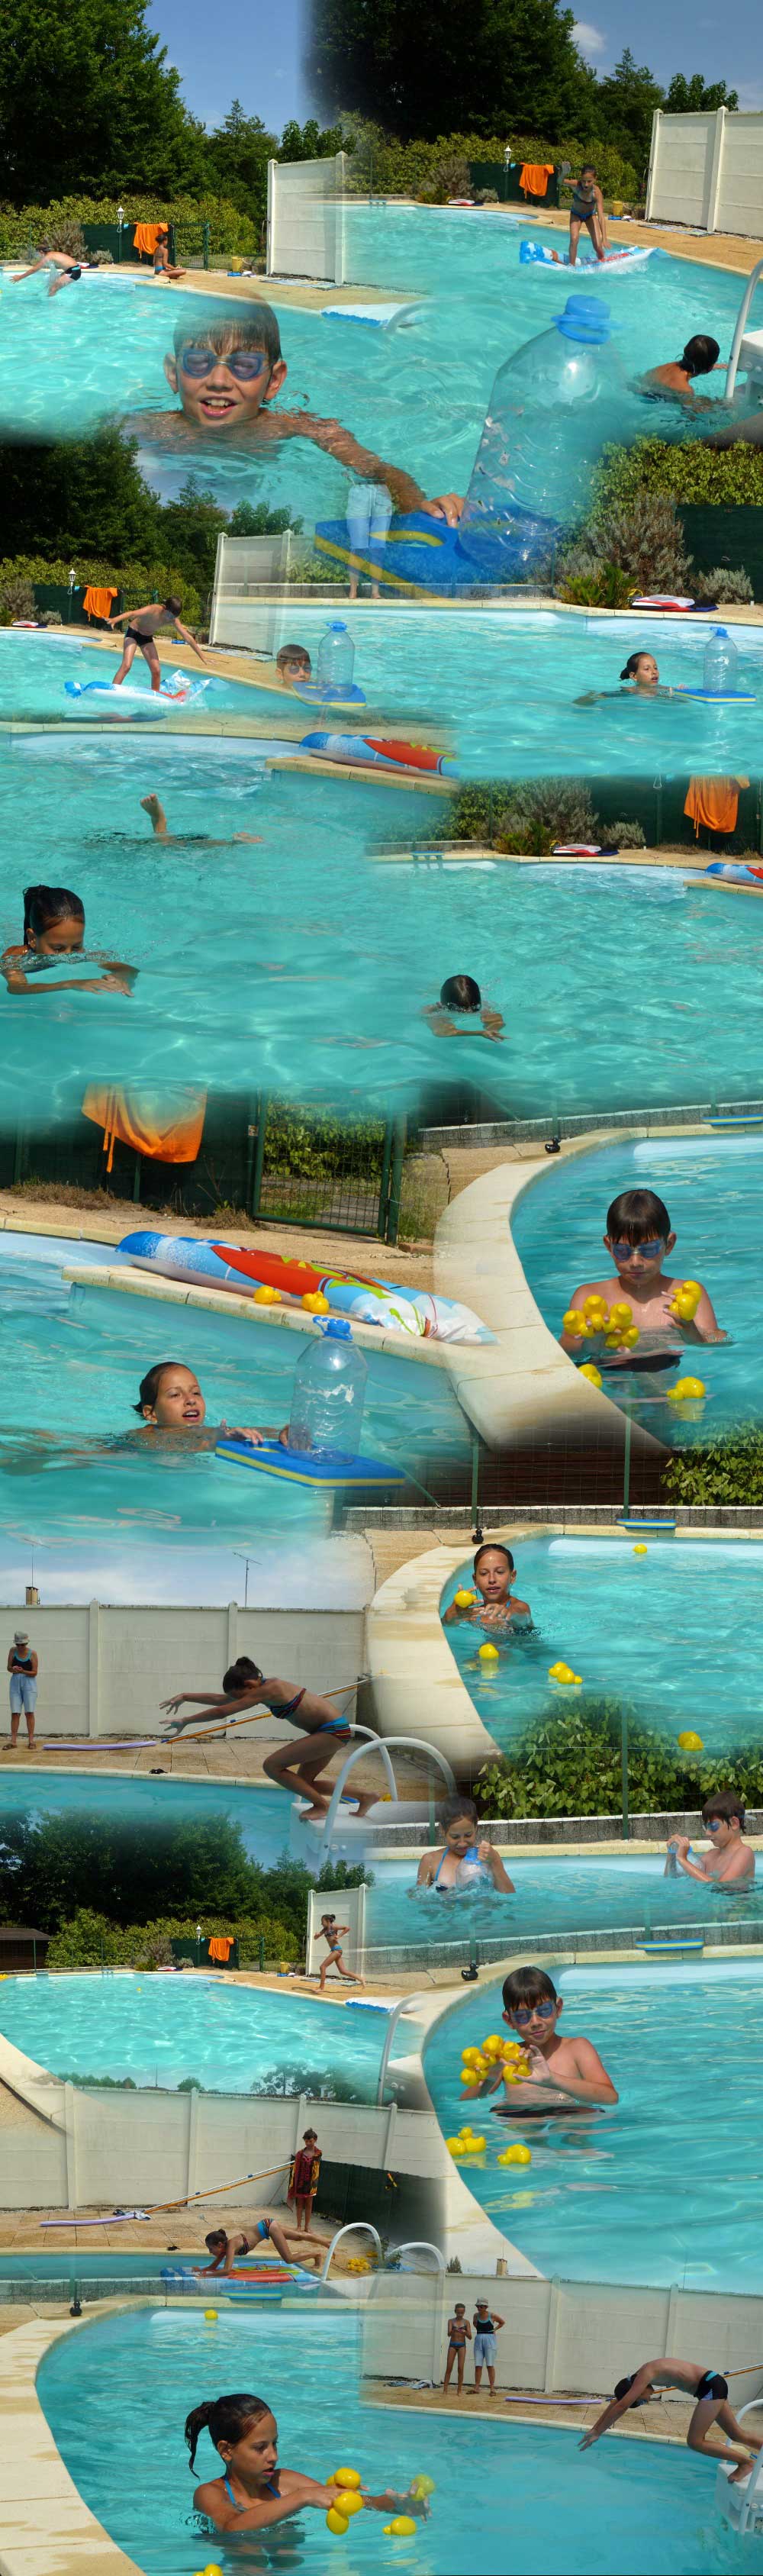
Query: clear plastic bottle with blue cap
x=336, y=661
x=721, y=671
x=554, y=405
x=328, y=1395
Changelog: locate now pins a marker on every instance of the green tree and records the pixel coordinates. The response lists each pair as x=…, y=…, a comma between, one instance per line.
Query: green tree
x=190, y=527
x=240, y=150
x=89, y=103
x=510, y=62
x=84, y=493
x=311, y=143
x=692, y=97
x=625, y=105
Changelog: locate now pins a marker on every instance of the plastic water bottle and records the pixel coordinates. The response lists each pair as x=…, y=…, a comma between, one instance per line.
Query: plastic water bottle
x=470, y=1875
x=721, y=664
x=336, y=661
x=671, y=1864
x=328, y=1395
x=553, y=408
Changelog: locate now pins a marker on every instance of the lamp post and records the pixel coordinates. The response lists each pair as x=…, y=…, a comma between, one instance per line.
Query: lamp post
x=120, y=223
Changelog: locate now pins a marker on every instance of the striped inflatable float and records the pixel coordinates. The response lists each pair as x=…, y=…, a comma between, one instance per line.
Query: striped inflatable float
x=271, y=1276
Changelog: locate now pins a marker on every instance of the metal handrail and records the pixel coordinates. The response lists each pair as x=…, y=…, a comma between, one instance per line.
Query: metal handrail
x=739, y=330
x=421, y=2245
x=406, y=1743
x=354, y=2227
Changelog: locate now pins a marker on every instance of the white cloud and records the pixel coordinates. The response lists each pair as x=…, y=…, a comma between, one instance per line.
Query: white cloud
x=588, y=39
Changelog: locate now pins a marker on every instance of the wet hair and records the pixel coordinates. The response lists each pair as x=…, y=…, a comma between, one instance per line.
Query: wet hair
x=726, y=1803
x=150, y=1384
x=224, y=2419
x=623, y=2386
x=632, y=664
x=254, y=327
x=637, y=1215
x=45, y=904
x=174, y=605
x=498, y=1550
x=240, y=1674
x=455, y=1806
x=700, y=354
x=460, y=993
x=527, y=1986
x=293, y=653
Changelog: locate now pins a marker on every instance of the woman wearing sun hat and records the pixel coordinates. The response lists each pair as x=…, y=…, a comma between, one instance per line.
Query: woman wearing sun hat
x=22, y=1666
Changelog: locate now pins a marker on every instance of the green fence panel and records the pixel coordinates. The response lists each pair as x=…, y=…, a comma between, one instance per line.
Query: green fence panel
x=504, y=178
x=730, y=537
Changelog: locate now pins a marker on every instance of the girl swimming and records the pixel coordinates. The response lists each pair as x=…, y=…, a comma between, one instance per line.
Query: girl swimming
x=494, y=1572
x=462, y=1852
x=170, y=1399
x=460, y=994
x=639, y=678
x=298, y=1767
x=255, y=2493
x=54, y=929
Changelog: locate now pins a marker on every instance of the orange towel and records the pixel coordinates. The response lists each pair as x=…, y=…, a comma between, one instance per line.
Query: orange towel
x=97, y=603
x=713, y=803
x=145, y=238
x=220, y=1947
x=165, y=1130
x=534, y=177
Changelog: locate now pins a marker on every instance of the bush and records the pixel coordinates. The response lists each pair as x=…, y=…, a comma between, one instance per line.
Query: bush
x=637, y=543
x=691, y=472
x=724, y=584
x=570, y=1764
x=452, y=174
x=135, y=582
x=486, y=197
x=61, y=222
x=16, y=598
x=727, y=1470
x=590, y=584
x=626, y=836
x=51, y=617
x=398, y=169
x=545, y=811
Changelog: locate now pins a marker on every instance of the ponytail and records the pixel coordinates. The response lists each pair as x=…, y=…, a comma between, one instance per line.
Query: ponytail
x=224, y=2418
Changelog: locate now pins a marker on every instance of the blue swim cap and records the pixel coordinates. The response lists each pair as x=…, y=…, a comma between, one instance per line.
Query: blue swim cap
x=584, y=318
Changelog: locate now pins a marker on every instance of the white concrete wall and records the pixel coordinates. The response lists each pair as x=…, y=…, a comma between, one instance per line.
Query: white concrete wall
x=575, y=2336
x=96, y=2150
x=708, y=171
x=306, y=220
x=104, y=1669
x=349, y=1906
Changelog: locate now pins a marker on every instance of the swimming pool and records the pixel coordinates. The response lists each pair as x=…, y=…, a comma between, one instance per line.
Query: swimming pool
x=712, y=1189
x=675, y=1632
x=554, y=1899
x=658, y=2190
x=156, y=2030
x=154, y=2367
x=35, y=666
x=149, y=1808
x=75, y=1468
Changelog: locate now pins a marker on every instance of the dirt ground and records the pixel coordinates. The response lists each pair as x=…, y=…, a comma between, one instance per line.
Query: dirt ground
x=667, y=2420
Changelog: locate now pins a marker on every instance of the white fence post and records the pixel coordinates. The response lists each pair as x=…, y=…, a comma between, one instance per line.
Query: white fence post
x=715, y=176
x=94, y=1669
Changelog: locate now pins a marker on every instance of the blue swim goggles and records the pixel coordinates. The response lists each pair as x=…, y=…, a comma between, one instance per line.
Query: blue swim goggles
x=246, y=364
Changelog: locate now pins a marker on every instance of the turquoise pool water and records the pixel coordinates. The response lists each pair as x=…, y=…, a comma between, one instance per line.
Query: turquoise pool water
x=553, y=1899
x=65, y=2259
x=660, y=2189
x=712, y=1190
x=72, y=1454
x=35, y=666
x=158, y=2030
x=141, y=1807
x=676, y=1632
x=152, y=2368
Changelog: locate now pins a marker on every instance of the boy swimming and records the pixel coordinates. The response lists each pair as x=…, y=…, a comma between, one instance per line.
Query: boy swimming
x=676, y=379
x=256, y=2494
x=494, y=1572
x=730, y=1862
x=153, y=807
x=293, y=665
x=460, y=993
x=226, y=369
x=564, y=2074
x=709, y=2390
x=639, y=1237
x=141, y=629
x=462, y=1856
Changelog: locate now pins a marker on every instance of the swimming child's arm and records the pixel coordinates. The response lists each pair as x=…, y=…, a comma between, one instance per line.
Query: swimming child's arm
x=296, y=2492
x=493, y=1022
x=392, y=2501
x=427, y=1863
x=587, y=2081
x=258, y=1438
x=491, y=1859
x=406, y=493
x=617, y=2406
x=692, y=1868
x=587, y=1288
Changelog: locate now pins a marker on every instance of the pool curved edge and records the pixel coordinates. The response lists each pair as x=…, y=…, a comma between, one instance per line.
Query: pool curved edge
x=469, y=2232
x=46, y=2528
x=416, y=1685
x=522, y=1382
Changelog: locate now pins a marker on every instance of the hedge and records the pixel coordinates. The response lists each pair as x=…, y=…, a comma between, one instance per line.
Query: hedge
x=690, y=473
x=230, y=232
x=570, y=1764
x=90, y=1940
x=138, y=580
x=401, y=169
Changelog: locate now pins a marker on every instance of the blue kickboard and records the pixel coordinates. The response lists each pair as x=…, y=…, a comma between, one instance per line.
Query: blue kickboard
x=327, y=1473
x=419, y=553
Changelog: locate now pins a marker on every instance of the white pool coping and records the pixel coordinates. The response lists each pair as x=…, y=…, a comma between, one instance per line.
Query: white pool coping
x=126, y=1281
x=46, y=2528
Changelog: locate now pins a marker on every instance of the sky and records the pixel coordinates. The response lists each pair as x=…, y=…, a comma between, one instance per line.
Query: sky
x=680, y=37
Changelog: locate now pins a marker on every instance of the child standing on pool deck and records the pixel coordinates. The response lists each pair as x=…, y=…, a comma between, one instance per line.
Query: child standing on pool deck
x=439, y=1869
x=225, y=372
x=459, y=2335
x=710, y=2391
x=487, y=2325
x=255, y=2494
x=731, y=1863
x=331, y=1932
x=565, y=2074
x=638, y=1238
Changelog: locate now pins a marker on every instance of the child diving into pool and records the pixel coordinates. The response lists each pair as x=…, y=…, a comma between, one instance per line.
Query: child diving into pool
x=494, y=1572
x=331, y=1932
x=460, y=993
x=170, y=1400
x=202, y=840
x=710, y=2391
x=255, y=2493
x=66, y=270
x=54, y=929
x=639, y=1238
x=226, y=371
x=463, y=1862
x=731, y=1861
x=564, y=2074
x=297, y=1767
x=227, y=2251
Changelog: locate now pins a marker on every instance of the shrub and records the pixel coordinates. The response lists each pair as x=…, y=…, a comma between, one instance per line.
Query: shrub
x=486, y=197
x=724, y=584
x=628, y=836
x=61, y=222
x=570, y=1764
x=635, y=543
x=691, y=472
x=51, y=617
x=544, y=811
x=102, y=259
x=452, y=173
x=727, y=1470
x=16, y=598
x=596, y=585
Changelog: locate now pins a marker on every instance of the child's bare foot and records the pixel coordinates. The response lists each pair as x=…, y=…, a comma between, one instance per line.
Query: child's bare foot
x=152, y=807
x=248, y=836
x=741, y=2472
x=362, y=1799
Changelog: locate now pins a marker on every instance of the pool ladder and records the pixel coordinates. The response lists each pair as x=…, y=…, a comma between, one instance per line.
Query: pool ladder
x=746, y=346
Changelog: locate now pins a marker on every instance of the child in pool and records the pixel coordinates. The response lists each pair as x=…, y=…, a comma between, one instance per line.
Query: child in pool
x=170, y=1399
x=676, y=380
x=255, y=2494
x=54, y=928
x=710, y=2392
x=293, y=1766
x=731, y=1862
x=565, y=2074
x=494, y=1572
x=638, y=1238
x=640, y=678
x=331, y=1932
x=225, y=372
x=459, y=2336
x=227, y=2251
x=460, y=993
x=141, y=627
x=587, y=209
x=158, y=820
x=294, y=666
x=439, y=1869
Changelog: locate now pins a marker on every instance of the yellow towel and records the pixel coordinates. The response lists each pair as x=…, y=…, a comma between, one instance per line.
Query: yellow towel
x=97, y=603
x=165, y=1131
x=534, y=177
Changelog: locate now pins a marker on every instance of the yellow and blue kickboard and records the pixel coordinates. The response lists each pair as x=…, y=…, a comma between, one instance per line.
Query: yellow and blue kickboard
x=297, y=1467
x=419, y=553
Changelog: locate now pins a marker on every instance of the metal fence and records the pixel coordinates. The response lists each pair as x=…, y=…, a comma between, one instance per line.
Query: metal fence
x=258, y=1160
